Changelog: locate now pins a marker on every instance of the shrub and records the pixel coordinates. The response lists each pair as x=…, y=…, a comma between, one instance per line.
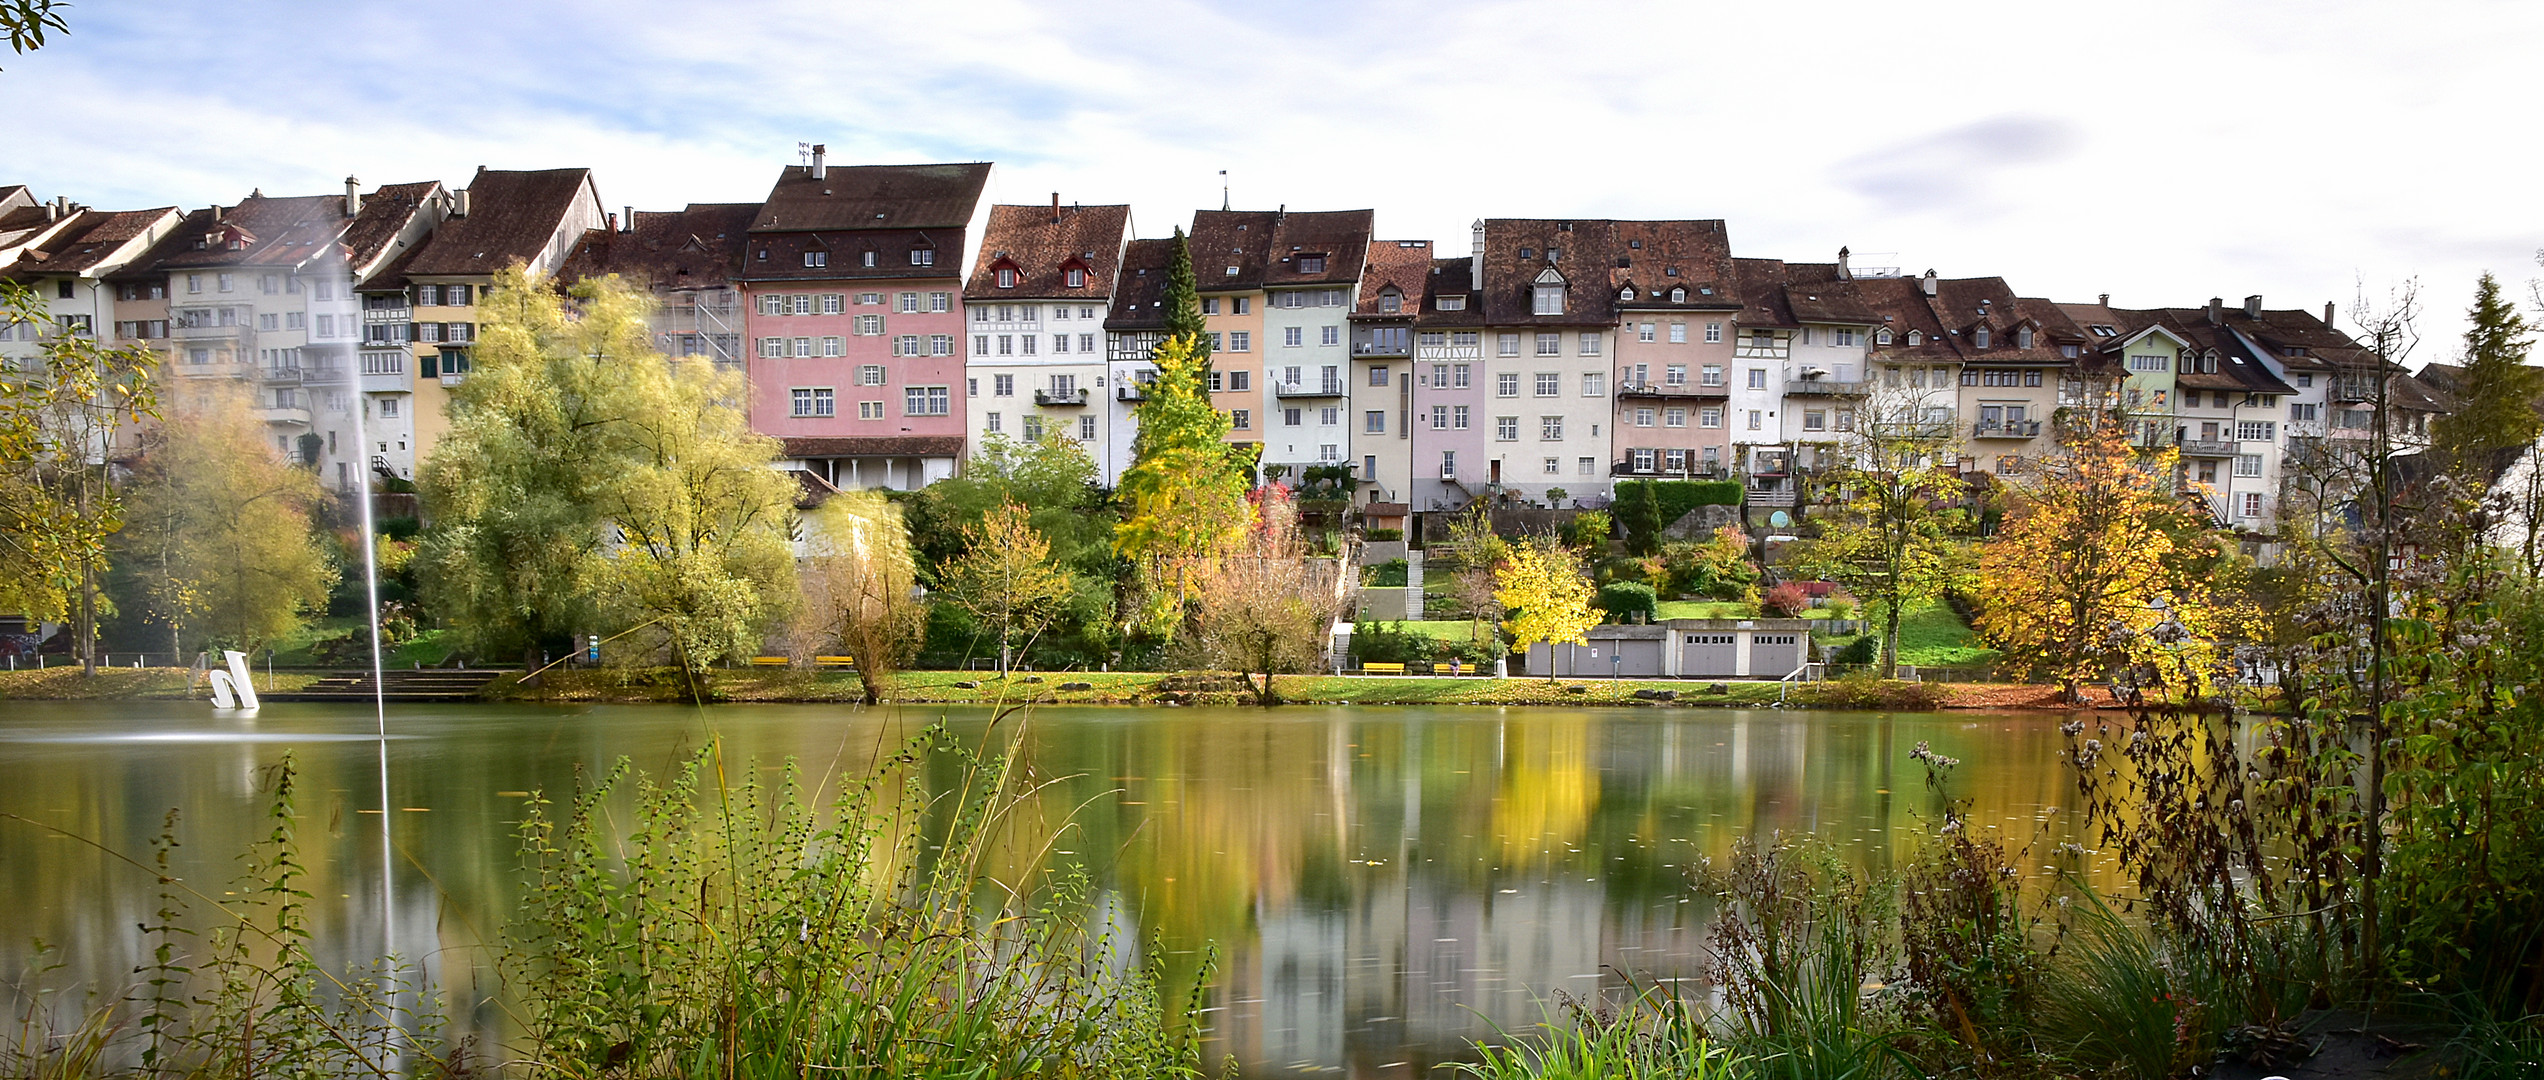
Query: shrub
x=1589, y=531
x=1391, y=643
x=1717, y=568
x=1787, y=600
x=1865, y=690
x=1862, y=650
x=1654, y=1036
x=1379, y=536
x=1625, y=599
x=1391, y=574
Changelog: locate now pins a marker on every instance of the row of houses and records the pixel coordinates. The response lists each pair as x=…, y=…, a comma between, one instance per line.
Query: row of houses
x=888, y=319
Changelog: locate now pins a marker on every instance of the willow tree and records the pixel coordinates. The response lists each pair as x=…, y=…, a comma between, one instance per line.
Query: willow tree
x=589, y=484
x=858, y=586
x=221, y=530
x=2102, y=564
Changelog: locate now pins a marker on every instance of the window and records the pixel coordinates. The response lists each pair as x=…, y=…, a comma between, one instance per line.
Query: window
x=389, y=408
x=1550, y=344
x=1547, y=299
x=803, y=346
x=938, y=301
x=2147, y=362
x=1815, y=420
x=1390, y=302
x=1646, y=332
x=872, y=375
x=1506, y=428
x=1086, y=428
x=1713, y=332
x=1311, y=264
x=227, y=284
x=909, y=302
x=1674, y=417
x=980, y=344
x=1549, y=384
x=1550, y=428
x=1240, y=380
x=1377, y=376
x=1289, y=418
x=1374, y=421
x=770, y=347
x=1755, y=419
x=1979, y=337
x=989, y=424
x=1674, y=375
x=869, y=299
x=1239, y=340
x=927, y=401
x=1642, y=461
x=2252, y=504
x=1241, y=419
x=2304, y=412
x=1757, y=378
x=1762, y=339
x=834, y=345
x=816, y=258
x=1074, y=277
x=813, y=401
x=1590, y=344
x=1291, y=336
x=1033, y=429
x=1709, y=416
x=869, y=325
x=2256, y=430
x=1331, y=335
x=2247, y=464
x=1881, y=336
x=2305, y=382
x=1439, y=418
x=1086, y=343
x=1457, y=417
x=1453, y=303
x=1594, y=385
x=2032, y=378
x=327, y=327
x=1461, y=376
x=1506, y=345
x=873, y=410
x=1678, y=333
x=1643, y=417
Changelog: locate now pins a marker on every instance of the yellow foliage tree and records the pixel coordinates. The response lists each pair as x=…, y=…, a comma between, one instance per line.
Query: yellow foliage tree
x=2102, y=565
x=219, y=530
x=1184, y=496
x=1006, y=578
x=857, y=579
x=1541, y=585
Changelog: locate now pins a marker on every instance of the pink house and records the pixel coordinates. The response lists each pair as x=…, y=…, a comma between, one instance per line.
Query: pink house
x=853, y=291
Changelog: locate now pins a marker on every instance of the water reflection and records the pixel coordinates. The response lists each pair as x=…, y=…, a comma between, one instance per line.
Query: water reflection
x=1382, y=884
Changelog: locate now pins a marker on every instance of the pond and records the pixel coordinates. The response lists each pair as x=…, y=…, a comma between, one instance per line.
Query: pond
x=1381, y=884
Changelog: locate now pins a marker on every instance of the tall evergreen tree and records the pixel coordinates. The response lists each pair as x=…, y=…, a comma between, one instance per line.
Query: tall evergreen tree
x=1183, y=301
x=2499, y=391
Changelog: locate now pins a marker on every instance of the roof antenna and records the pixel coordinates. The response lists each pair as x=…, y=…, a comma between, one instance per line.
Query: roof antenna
x=1223, y=190
x=803, y=153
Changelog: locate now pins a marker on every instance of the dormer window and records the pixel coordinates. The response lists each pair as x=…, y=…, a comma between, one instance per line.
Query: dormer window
x=1671, y=272
x=870, y=259
x=922, y=256
x=1311, y=264
x=1626, y=293
x=1528, y=253
x=1075, y=277
x=2068, y=351
x=2022, y=337
x=1006, y=277
x=1916, y=338
x=1390, y=302
x=1979, y=338
x=1678, y=294
x=1546, y=297
x=1881, y=336
x=1232, y=271
x=1453, y=303
x=816, y=258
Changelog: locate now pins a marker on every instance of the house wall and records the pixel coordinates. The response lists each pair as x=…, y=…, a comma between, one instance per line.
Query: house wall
x=1322, y=311
x=1574, y=455
x=1434, y=436
x=1238, y=327
x=1689, y=414
x=939, y=338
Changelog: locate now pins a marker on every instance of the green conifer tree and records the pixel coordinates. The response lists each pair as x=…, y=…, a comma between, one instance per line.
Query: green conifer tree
x=2498, y=391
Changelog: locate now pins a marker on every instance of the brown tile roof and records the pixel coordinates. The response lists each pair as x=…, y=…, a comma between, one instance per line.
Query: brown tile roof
x=92, y=237
x=1519, y=251
x=1659, y=257
x=370, y=239
x=1140, y=293
x=1962, y=306
x=2238, y=368
x=285, y=233
x=1401, y=265
x=840, y=446
x=1452, y=277
x=1040, y=245
x=1232, y=240
x=1341, y=236
x=512, y=218
x=855, y=197
x=1760, y=286
x=696, y=247
x=1905, y=309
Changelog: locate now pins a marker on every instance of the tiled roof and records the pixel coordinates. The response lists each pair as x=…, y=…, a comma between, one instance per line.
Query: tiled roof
x=1518, y=252
x=1230, y=248
x=1658, y=258
x=512, y=218
x=385, y=213
x=92, y=237
x=1962, y=306
x=1340, y=236
x=1760, y=285
x=1451, y=277
x=1041, y=244
x=1401, y=265
x=696, y=247
x=1905, y=309
x=840, y=446
x=1140, y=292
x=851, y=197
x=285, y=233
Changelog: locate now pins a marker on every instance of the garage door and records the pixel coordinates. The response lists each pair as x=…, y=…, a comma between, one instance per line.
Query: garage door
x=1774, y=656
x=1708, y=656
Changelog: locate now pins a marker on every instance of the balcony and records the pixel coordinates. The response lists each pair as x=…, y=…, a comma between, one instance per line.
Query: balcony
x=1131, y=391
x=287, y=414
x=282, y=374
x=219, y=369
x=2354, y=388
x=2007, y=429
x=2207, y=448
x=1308, y=390
x=1663, y=390
x=233, y=332
x=1059, y=398
x=1824, y=388
x=1366, y=344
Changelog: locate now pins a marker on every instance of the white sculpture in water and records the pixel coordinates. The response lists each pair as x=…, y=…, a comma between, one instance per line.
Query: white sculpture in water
x=232, y=689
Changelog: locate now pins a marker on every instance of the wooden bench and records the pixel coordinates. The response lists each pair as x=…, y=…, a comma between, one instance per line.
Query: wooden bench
x=1376, y=667
x=769, y=661
x=836, y=661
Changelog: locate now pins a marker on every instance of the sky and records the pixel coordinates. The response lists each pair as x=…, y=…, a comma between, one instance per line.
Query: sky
x=2161, y=152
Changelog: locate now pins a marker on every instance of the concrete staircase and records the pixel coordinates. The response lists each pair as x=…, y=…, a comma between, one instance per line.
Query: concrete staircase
x=1413, y=585
x=429, y=684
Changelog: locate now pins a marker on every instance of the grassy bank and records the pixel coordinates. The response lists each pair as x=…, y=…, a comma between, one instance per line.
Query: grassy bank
x=67, y=684
x=1112, y=688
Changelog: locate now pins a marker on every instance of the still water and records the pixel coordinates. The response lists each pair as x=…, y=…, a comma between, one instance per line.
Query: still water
x=1381, y=884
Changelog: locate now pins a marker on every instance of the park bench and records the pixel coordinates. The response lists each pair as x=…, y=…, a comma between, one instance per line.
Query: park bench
x=1380, y=667
x=769, y=661
x=835, y=661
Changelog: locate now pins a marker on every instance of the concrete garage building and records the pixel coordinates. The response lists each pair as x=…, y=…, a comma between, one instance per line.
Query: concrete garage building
x=1683, y=649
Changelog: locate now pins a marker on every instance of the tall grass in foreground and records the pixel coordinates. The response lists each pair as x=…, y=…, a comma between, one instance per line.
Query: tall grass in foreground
x=1654, y=1036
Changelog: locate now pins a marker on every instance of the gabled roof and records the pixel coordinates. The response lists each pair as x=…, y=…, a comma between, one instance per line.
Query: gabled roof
x=1451, y=277
x=696, y=247
x=1231, y=248
x=1042, y=243
x=873, y=197
x=1401, y=265
x=513, y=218
x=262, y=232
x=1662, y=257
x=89, y=241
x=2238, y=367
x=1518, y=253
x=1341, y=236
x=1905, y=309
x=1139, y=293
x=1761, y=290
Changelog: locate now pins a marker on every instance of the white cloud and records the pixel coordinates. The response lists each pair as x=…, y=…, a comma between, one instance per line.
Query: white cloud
x=2164, y=152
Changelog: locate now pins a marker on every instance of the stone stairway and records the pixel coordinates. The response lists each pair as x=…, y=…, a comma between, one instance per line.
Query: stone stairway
x=1413, y=585
x=429, y=684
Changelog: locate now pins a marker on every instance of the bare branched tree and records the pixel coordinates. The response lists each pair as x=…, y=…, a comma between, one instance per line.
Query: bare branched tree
x=1267, y=608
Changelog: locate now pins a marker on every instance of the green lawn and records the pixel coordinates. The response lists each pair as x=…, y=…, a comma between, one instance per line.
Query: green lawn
x=1706, y=609
x=1930, y=635
x=1441, y=629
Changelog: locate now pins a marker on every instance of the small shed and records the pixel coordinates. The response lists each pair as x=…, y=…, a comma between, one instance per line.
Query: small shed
x=1683, y=649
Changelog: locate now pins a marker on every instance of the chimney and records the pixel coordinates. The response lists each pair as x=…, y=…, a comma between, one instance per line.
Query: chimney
x=1475, y=266
x=353, y=196
x=2216, y=311
x=2327, y=313
x=1055, y=208
x=2103, y=301
x=216, y=213
x=460, y=201
x=1927, y=284
x=820, y=170
x=627, y=223
x=2252, y=306
x=613, y=223
x=53, y=211
x=1843, y=274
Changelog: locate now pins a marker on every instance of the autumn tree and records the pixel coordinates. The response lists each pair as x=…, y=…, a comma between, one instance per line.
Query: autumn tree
x=1471, y=555
x=1006, y=578
x=1052, y=482
x=1266, y=608
x=2102, y=564
x=1183, y=497
x=220, y=533
x=61, y=412
x=1540, y=584
x=858, y=587
x=586, y=481
x=1893, y=533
